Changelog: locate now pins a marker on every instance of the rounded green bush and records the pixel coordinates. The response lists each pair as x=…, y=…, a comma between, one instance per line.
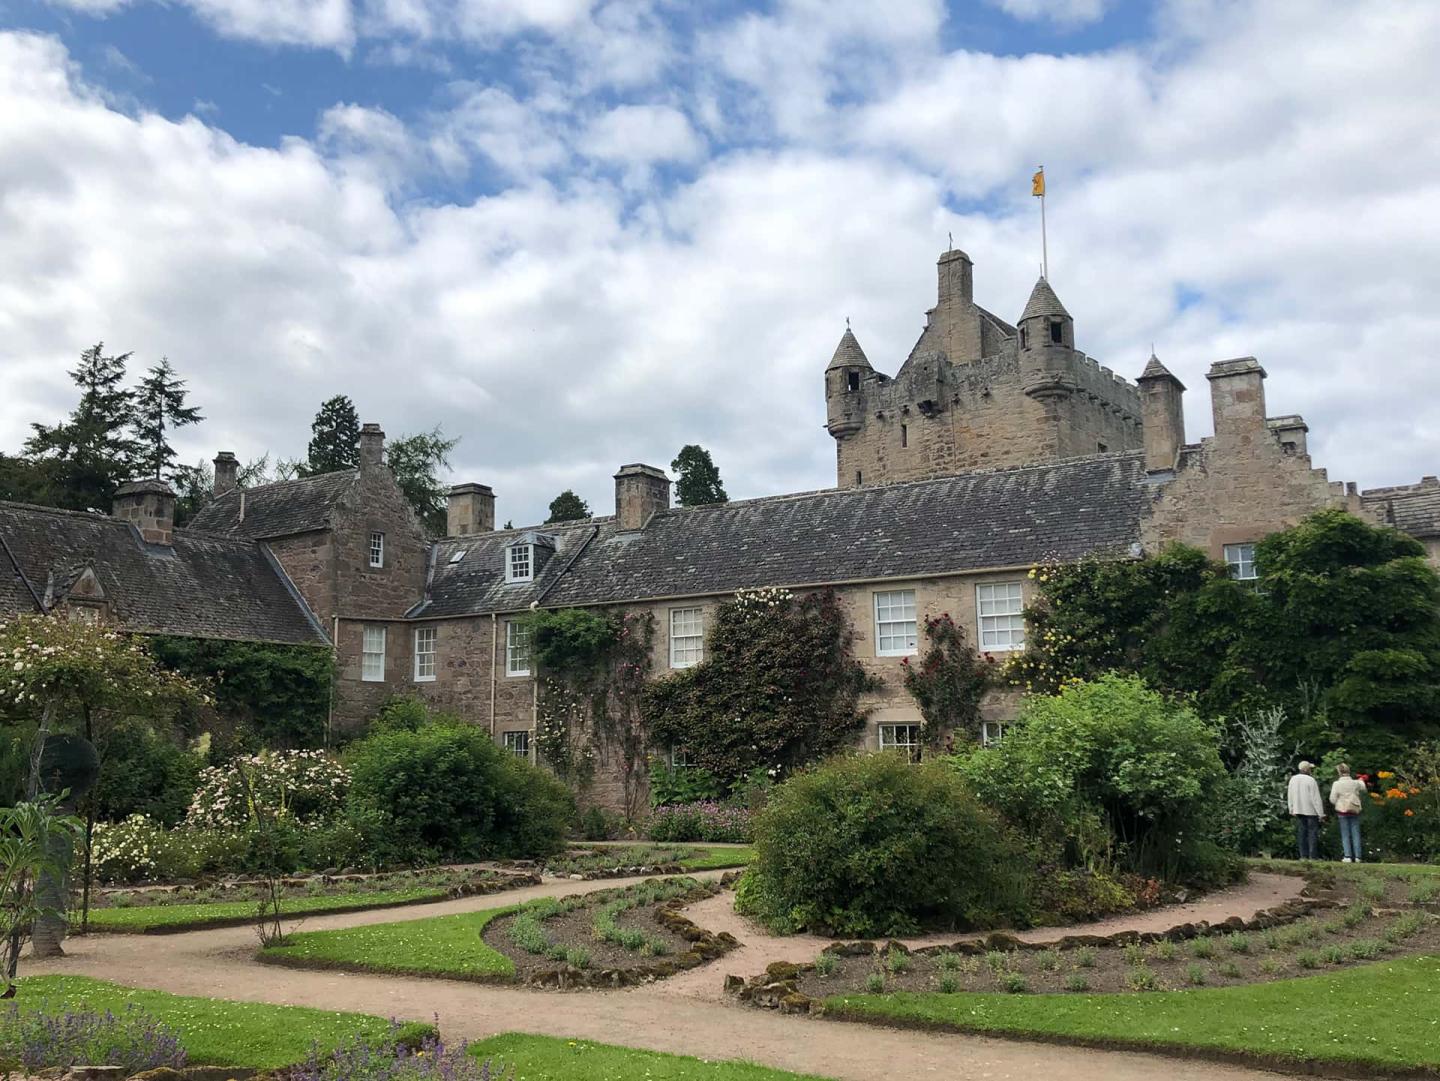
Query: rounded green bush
x=870, y=844
x=449, y=792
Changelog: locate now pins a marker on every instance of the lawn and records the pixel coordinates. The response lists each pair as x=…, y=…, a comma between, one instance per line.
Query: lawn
x=543, y=1058
x=1348, y=870
x=251, y=1035
x=439, y=946
x=156, y=918
x=1380, y=1015
x=718, y=858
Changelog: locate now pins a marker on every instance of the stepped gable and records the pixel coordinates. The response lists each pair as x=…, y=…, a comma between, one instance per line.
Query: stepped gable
x=281, y=509
x=200, y=586
x=947, y=525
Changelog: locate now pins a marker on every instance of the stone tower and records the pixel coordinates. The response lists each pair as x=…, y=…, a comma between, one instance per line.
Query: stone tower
x=975, y=392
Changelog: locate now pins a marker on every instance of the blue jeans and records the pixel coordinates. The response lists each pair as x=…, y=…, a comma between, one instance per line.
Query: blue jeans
x=1307, y=836
x=1350, y=835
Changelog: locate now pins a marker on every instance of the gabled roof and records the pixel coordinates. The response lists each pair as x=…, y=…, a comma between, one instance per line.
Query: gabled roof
x=202, y=586
x=1043, y=302
x=1414, y=508
x=946, y=525
x=277, y=510
x=848, y=353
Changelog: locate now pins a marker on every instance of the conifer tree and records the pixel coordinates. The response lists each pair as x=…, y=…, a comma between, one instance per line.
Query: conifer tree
x=567, y=507
x=159, y=405
x=699, y=478
x=89, y=455
x=334, y=438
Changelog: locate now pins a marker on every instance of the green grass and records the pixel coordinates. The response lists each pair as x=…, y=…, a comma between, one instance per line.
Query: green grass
x=718, y=858
x=1377, y=1015
x=240, y=1035
x=544, y=1058
x=142, y=918
x=1406, y=871
x=438, y=946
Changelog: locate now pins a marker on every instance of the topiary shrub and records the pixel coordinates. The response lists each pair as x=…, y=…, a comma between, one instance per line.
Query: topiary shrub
x=869, y=844
x=447, y=792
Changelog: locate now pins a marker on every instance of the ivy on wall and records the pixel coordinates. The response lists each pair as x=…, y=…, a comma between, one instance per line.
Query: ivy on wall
x=948, y=682
x=779, y=687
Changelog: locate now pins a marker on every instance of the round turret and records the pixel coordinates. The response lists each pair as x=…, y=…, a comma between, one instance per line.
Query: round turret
x=1045, y=323
x=845, y=377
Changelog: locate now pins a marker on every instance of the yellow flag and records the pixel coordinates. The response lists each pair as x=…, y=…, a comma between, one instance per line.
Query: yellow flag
x=1037, y=183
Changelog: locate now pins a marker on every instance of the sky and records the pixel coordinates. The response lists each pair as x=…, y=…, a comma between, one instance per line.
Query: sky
x=583, y=233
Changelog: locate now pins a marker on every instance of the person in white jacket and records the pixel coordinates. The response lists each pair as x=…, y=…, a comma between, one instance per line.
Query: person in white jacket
x=1347, y=796
x=1307, y=809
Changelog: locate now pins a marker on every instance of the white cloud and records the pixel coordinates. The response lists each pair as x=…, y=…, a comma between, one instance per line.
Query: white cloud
x=1063, y=12
x=641, y=134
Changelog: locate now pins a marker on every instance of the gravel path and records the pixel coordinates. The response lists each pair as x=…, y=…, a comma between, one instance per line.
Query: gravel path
x=684, y=1014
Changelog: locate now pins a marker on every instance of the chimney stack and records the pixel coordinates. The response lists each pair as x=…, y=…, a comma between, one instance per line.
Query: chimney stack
x=148, y=505
x=1237, y=399
x=227, y=473
x=1162, y=415
x=470, y=509
x=372, y=447
x=957, y=277
x=640, y=491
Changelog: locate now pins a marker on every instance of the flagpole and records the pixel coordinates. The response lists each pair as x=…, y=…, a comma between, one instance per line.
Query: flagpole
x=1044, y=243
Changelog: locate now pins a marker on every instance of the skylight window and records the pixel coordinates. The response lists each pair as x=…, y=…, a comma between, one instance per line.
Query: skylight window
x=456, y=557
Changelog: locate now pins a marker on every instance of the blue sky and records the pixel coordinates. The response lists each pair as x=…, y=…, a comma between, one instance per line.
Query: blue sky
x=584, y=232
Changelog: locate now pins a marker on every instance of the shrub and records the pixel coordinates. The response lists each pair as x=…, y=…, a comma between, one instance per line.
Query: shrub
x=1108, y=770
x=144, y=772
x=681, y=784
x=1140, y=978
x=1078, y=896
x=133, y=1040
x=703, y=821
x=598, y=824
x=448, y=792
x=949, y=984
x=303, y=786
x=868, y=844
x=1077, y=981
x=129, y=851
x=394, y=1058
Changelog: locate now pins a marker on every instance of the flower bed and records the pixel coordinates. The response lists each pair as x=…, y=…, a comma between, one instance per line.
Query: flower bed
x=703, y=820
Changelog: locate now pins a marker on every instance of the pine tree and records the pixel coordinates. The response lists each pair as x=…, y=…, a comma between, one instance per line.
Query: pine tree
x=90, y=454
x=334, y=438
x=699, y=479
x=159, y=405
x=567, y=507
x=415, y=461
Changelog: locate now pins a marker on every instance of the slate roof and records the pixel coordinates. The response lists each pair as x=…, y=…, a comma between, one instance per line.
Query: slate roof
x=1001, y=518
x=1414, y=508
x=277, y=510
x=848, y=353
x=202, y=586
x=1043, y=301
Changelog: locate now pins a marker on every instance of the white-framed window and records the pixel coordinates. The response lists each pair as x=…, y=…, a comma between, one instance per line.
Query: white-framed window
x=679, y=758
x=425, y=654
x=687, y=636
x=520, y=563
x=517, y=648
x=372, y=655
x=895, y=623
x=377, y=549
x=992, y=732
x=1240, y=558
x=1001, y=608
x=900, y=737
x=517, y=742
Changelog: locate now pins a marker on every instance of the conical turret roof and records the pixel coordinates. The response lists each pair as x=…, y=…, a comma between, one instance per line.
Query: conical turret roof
x=1043, y=302
x=1155, y=370
x=848, y=353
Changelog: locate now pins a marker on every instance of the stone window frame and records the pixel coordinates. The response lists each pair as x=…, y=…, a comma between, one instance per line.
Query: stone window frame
x=1000, y=618
x=377, y=548
x=520, y=563
x=425, y=673
x=372, y=660
x=888, y=604
x=517, y=742
x=517, y=648
x=1239, y=558
x=911, y=730
x=992, y=732
x=691, y=621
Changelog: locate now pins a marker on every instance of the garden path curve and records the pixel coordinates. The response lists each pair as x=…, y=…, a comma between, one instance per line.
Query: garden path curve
x=682, y=1015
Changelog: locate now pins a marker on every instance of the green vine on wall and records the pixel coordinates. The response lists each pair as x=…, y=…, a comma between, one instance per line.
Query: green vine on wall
x=948, y=682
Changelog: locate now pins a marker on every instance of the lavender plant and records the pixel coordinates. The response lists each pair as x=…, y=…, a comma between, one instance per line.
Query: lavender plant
x=78, y=1037
x=390, y=1059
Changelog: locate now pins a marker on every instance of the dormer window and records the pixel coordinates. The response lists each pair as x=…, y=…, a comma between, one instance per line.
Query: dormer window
x=520, y=563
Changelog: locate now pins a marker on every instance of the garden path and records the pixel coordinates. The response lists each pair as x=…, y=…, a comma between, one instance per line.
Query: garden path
x=663, y=1017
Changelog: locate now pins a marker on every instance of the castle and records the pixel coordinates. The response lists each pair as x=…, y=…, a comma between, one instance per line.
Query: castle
x=993, y=449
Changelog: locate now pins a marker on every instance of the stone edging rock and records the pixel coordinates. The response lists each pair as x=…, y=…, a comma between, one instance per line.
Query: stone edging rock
x=777, y=988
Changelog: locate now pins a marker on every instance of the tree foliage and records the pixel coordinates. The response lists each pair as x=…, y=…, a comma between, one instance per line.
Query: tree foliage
x=698, y=478
x=334, y=438
x=948, y=682
x=567, y=507
x=779, y=687
x=159, y=406
x=416, y=462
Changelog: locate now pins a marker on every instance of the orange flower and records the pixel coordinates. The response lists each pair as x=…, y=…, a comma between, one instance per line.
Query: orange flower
x=1394, y=793
x=1409, y=813
x=1384, y=774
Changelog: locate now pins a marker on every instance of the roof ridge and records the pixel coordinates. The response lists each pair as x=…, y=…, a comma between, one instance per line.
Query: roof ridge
x=353, y=472
x=88, y=515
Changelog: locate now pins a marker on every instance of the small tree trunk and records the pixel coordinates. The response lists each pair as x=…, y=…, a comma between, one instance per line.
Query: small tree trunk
x=52, y=894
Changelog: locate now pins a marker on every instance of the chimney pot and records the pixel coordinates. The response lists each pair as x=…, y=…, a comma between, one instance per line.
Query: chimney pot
x=640, y=492
x=148, y=505
x=227, y=473
x=470, y=509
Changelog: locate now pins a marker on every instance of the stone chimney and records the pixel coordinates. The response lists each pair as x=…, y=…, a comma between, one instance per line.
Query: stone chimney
x=148, y=505
x=1290, y=431
x=957, y=277
x=227, y=473
x=372, y=447
x=1237, y=399
x=1162, y=415
x=640, y=491
x=470, y=509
